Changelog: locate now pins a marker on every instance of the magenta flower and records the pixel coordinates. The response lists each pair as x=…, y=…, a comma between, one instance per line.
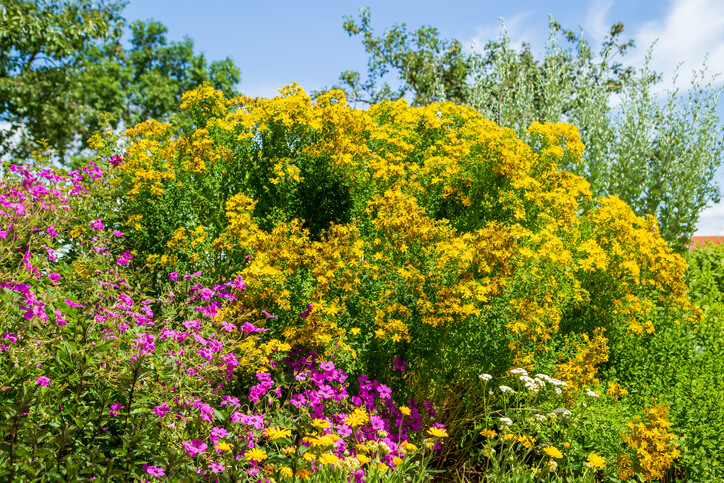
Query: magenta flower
x=59, y=319
x=54, y=276
x=114, y=410
x=73, y=304
x=117, y=233
x=195, y=447
x=43, y=381
x=173, y=276
x=218, y=433
x=306, y=313
x=97, y=225
x=161, y=410
x=155, y=471
x=216, y=467
x=125, y=258
x=51, y=231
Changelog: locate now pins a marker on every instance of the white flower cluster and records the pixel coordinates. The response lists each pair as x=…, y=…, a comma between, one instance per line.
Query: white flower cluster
x=561, y=413
x=540, y=381
x=485, y=377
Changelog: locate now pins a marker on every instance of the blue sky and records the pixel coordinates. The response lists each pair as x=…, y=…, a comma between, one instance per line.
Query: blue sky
x=277, y=42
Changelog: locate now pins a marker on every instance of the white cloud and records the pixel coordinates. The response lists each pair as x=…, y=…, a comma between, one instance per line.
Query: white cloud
x=689, y=30
x=596, y=25
x=518, y=28
x=711, y=222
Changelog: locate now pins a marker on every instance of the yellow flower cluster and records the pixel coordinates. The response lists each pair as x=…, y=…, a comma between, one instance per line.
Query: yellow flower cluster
x=653, y=443
x=580, y=371
x=456, y=229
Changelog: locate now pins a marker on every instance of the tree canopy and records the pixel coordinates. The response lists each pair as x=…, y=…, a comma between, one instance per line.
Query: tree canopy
x=659, y=153
x=64, y=72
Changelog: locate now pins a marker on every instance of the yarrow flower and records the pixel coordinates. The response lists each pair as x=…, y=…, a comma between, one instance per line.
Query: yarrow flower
x=485, y=377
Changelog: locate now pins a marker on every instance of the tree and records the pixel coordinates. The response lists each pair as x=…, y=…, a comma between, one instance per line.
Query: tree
x=659, y=154
x=61, y=81
x=429, y=68
x=42, y=46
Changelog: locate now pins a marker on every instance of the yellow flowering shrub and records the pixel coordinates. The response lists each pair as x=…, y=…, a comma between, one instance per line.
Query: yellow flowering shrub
x=428, y=233
x=653, y=444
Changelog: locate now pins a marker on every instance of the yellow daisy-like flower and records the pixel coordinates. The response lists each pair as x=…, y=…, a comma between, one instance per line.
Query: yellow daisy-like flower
x=286, y=471
x=553, y=452
x=526, y=441
x=488, y=433
x=362, y=448
x=363, y=458
x=256, y=454
x=328, y=459
x=437, y=432
x=397, y=460
x=304, y=474
x=596, y=461
x=320, y=423
x=566, y=445
x=290, y=450
x=355, y=330
x=407, y=446
x=357, y=418
x=405, y=410
x=309, y=457
x=509, y=436
x=224, y=446
x=274, y=433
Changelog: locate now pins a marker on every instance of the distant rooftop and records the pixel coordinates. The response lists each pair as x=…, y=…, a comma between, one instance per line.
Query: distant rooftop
x=700, y=241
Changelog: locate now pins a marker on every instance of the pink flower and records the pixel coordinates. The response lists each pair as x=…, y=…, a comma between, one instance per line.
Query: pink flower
x=218, y=433
x=54, y=276
x=155, y=471
x=59, y=319
x=161, y=410
x=73, y=304
x=43, y=381
x=125, y=258
x=97, y=225
x=195, y=447
x=51, y=231
x=173, y=276
x=114, y=410
x=117, y=233
x=216, y=467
